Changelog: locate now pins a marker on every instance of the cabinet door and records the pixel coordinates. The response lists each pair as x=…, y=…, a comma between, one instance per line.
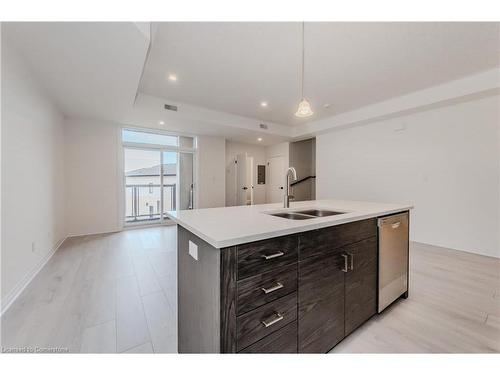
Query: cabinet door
x=321, y=303
x=360, y=283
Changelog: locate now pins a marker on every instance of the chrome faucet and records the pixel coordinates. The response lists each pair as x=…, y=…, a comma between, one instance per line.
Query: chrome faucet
x=288, y=196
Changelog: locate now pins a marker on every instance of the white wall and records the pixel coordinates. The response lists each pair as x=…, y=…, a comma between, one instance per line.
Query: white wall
x=32, y=175
x=259, y=158
x=93, y=178
x=445, y=161
x=211, y=161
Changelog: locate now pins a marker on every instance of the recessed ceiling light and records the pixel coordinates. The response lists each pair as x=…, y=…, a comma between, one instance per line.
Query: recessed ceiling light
x=161, y=122
x=263, y=104
x=259, y=139
x=172, y=77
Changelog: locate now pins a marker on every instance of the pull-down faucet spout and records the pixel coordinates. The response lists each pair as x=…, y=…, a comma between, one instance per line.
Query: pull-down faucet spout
x=290, y=171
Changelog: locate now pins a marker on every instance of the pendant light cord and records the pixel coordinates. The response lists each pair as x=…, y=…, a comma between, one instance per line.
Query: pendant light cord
x=303, y=48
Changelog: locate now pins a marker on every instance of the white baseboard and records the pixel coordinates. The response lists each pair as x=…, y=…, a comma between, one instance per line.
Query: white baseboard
x=93, y=233
x=9, y=299
x=481, y=253
x=124, y=228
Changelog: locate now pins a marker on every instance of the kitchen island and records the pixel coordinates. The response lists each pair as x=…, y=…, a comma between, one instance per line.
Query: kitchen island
x=263, y=279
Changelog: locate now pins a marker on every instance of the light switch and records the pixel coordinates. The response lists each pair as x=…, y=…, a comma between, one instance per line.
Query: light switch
x=193, y=250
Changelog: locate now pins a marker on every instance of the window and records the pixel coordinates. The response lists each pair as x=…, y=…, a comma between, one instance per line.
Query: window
x=146, y=138
x=158, y=175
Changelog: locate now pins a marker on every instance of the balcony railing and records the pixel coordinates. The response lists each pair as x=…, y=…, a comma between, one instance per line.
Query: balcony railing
x=143, y=201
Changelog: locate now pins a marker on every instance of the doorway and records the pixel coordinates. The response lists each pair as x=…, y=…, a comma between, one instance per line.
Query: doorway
x=276, y=177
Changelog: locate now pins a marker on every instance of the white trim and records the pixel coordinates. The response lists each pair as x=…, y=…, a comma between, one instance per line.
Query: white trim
x=166, y=223
x=12, y=296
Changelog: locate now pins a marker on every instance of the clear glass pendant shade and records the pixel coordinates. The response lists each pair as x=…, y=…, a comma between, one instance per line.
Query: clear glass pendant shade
x=304, y=109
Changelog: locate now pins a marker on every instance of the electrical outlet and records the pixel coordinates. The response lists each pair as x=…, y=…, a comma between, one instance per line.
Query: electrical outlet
x=193, y=250
x=33, y=247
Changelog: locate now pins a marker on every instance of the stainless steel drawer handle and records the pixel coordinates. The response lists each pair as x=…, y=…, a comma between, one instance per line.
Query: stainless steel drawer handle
x=275, y=319
x=396, y=225
x=352, y=261
x=345, y=269
x=275, y=255
x=273, y=288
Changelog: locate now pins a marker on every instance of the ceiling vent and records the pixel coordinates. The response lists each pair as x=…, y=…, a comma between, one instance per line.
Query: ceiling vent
x=263, y=126
x=171, y=107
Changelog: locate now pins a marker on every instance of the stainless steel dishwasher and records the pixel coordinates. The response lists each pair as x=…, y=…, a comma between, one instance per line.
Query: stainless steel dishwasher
x=393, y=259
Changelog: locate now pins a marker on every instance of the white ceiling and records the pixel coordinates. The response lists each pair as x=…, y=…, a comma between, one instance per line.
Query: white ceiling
x=91, y=69
x=224, y=70
x=232, y=67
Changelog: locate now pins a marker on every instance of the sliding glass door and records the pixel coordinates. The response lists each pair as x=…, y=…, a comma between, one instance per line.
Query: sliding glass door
x=158, y=177
x=142, y=185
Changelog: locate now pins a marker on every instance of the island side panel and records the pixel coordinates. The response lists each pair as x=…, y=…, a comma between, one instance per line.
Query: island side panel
x=228, y=290
x=198, y=295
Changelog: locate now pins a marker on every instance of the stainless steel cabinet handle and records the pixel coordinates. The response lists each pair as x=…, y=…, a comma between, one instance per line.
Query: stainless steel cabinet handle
x=352, y=261
x=396, y=225
x=275, y=319
x=275, y=255
x=345, y=269
x=273, y=288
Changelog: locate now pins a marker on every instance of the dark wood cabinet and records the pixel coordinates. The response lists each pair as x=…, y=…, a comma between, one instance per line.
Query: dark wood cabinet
x=323, y=241
x=360, y=284
x=301, y=293
x=282, y=341
x=321, y=303
x=261, y=256
x=257, y=324
x=260, y=289
x=337, y=286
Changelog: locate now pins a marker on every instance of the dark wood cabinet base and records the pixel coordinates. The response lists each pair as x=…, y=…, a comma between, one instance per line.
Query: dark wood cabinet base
x=302, y=293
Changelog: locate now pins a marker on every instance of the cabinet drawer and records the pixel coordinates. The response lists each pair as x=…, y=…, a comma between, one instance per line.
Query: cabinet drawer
x=281, y=341
x=258, y=290
x=258, y=257
x=261, y=322
x=322, y=241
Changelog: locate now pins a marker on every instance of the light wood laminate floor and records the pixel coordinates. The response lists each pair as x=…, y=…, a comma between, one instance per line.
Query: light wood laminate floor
x=103, y=293
x=117, y=293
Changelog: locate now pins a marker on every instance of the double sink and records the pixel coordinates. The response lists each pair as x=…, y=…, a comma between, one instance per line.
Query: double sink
x=306, y=214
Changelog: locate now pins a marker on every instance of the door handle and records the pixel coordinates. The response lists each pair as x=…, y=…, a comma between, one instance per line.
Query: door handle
x=345, y=269
x=271, y=256
x=352, y=261
x=273, y=288
x=271, y=321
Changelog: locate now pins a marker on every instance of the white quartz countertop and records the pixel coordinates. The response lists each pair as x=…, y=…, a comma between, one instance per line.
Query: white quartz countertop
x=229, y=226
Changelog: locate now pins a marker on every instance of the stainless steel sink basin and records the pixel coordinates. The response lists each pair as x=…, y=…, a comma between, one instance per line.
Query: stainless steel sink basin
x=306, y=214
x=293, y=216
x=319, y=213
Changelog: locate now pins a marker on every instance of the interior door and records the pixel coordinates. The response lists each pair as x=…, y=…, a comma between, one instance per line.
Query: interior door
x=276, y=179
x=242, y=186
x=360, y=283
x=249, y=180
x=321, y=302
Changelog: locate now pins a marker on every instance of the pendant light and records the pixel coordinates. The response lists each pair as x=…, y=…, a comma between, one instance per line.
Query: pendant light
x=304, y=109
